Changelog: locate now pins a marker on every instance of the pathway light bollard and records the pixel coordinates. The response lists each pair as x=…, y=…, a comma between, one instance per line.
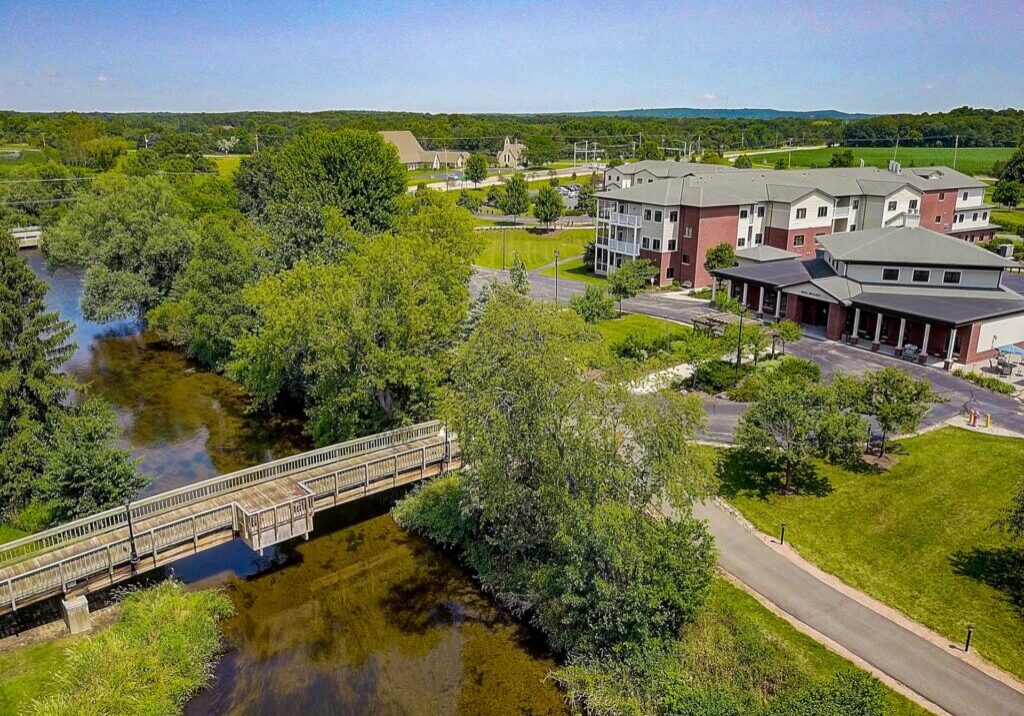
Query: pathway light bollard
x=556, y=275
x=970, y=633
x=782, y=537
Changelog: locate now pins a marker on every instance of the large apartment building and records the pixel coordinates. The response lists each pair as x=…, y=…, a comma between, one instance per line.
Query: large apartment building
x=672, y=212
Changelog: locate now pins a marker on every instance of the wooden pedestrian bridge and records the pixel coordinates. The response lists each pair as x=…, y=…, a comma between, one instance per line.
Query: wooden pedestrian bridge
x=262, y=505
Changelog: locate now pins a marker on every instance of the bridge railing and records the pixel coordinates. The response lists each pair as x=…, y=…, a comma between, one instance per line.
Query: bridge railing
x=147, y=507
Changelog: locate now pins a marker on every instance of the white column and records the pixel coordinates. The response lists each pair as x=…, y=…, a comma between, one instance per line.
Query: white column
x=878, y=332
x=760, y=302
x=949, y=350
x=899, y=341
x=778, y=302
x=924, y=343
x=745, y=295
x=856, y=326
x=714, y=288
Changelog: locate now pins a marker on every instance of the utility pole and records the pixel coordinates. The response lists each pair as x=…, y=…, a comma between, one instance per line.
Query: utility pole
x=956, y=146
x=257, y=141
x=896, y=148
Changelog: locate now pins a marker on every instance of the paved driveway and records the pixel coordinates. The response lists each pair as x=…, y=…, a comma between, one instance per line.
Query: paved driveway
x=1006, y=412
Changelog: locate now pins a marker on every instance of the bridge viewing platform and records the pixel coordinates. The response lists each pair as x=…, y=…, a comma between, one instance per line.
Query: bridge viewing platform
x=262, y=505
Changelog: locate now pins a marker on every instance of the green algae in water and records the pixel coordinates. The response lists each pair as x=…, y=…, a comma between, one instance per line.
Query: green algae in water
x=369, y=619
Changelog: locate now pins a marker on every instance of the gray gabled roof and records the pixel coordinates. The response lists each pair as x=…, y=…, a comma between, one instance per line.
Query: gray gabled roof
x=940, y=304
x=763, y=253
x=668, y=169
x=748, y=186
x=908, y=245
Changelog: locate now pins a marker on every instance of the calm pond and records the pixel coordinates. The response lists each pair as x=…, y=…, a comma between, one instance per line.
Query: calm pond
x=363, y=618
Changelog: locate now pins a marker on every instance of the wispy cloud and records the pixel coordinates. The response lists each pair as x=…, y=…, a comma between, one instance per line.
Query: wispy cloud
x=103, y=79
x=708, y=97
x=930, y=86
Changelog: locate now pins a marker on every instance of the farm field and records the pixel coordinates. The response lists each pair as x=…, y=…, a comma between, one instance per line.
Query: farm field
x=970, y=160
x=227, y=164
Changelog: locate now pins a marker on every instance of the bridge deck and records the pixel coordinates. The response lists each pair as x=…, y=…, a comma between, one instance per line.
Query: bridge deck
x=263, y=512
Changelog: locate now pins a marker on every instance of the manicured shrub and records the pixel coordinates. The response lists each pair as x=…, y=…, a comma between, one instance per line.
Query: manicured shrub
x=785, y=368
x=985, y=381
x=719, y=376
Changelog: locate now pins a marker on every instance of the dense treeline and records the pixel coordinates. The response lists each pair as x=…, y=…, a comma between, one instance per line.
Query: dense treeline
x=967, y=126
x=93, y=139
x=313, y=278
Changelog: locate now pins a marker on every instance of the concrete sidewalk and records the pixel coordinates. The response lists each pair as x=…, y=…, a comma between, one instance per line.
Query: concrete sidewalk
x=940, y=676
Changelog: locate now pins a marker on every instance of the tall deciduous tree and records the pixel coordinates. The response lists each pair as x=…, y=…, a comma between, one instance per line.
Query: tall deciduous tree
x=895, y=399
x=586, y=200
x=630, y=279
x=720, y=256
x=1008, y=193
x=515, y=199
x=476, y=168
x=134, y=235
x=548, y=205
x=560, y=474
x=649, y=149
x=365, y=341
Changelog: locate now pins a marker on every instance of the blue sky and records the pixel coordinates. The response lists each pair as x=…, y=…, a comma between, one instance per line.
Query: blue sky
x=555, y=55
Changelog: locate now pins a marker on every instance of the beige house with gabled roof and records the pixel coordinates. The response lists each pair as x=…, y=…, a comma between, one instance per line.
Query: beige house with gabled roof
x=414, y=156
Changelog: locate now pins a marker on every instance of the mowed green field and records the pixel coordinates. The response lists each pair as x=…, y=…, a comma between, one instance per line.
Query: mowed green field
x=970, y=160
x=534, y=247
x=227, y=164
x=919, y=537
x=575, y=270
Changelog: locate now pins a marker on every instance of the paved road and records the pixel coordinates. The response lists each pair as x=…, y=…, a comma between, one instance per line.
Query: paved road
x=929, y=670
x=1006, y=412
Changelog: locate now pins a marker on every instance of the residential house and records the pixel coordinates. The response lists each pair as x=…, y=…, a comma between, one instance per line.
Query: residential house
x=414, y=156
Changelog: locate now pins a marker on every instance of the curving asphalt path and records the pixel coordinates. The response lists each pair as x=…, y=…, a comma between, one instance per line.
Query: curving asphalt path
x=929, y=670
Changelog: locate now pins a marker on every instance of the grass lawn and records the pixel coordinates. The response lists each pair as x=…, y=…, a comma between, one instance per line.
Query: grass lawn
x=803, y=654
x=574, y=270
x=919, y=537
x=227, y=164
x=534, y=247
x=970, y=160
x=25, y=672
x=8, y=533
x=615, y=329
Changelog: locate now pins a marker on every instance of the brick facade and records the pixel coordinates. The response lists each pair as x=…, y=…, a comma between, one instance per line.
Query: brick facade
x=784, y=238
x=938, y=204
x=662, y=260
x=708, y=227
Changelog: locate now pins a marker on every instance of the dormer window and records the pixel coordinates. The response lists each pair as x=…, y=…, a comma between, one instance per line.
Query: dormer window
x=890, y=274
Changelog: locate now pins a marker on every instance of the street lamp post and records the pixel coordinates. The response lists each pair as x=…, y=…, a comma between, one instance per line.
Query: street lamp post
x=503, y=230
x=556, y=275
x=134, y=559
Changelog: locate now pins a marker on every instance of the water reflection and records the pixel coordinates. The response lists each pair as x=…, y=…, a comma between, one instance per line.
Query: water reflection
x=184, y=422
x=369, y=619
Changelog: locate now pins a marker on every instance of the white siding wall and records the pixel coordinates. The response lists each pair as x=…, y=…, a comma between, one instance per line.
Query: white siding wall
x=969, y=221
x=975, y=197
x=1001, y=332
x=969, y=278
x=751, y=226
x=903, y=197
x=811, y=203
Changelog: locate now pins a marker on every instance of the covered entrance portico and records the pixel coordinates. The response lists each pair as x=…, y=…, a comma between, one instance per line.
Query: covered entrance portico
x=909, y=337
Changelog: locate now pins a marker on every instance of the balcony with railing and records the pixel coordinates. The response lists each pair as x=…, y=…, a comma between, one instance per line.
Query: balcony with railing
x=630, y=248
x=619, y=219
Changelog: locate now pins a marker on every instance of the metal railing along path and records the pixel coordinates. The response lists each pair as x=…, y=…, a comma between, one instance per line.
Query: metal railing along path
x=116, y=517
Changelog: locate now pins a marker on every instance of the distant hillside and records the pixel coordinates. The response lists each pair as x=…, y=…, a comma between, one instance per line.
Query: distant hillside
x=721, y=113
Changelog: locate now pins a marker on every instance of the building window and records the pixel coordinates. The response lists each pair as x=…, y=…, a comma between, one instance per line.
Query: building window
x=965, y=196
x=913, y=205
x=657, y=245
x=798, y=240
x=892, y=206
x=922, y=275
x=951, y=276
x=622, y=208
x=743, y=213
x=801, y=213
x=686, y=259
x=671, y=273
x=890, y=274
x=938, y=219
x=856, y=204
x=687, y=232
x=975, y=216
x=984, y=216
x=645, y=243
x=673, y=216
x=657, y=216
x=942, y=196
x=671, y=244
x=853, y=227
x=741, y=241
x=822, y=211
x=760, y=211
x=757, y=237
x=647, y=214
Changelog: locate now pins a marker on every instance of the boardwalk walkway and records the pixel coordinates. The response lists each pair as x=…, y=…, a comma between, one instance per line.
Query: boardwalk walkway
x=262, y=505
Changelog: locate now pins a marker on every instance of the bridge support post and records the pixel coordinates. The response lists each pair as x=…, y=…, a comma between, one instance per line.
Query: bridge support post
x=76, y=614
